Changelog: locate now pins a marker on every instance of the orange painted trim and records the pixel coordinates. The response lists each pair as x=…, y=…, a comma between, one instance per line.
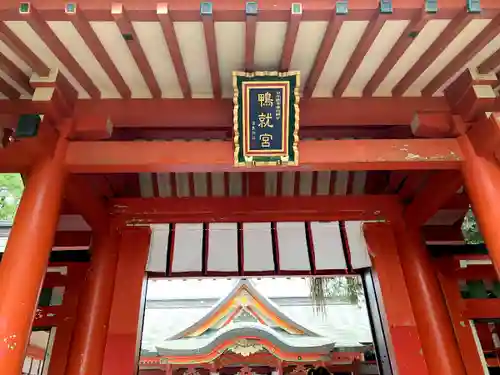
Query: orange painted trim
x=220, y=349
x=224, y=310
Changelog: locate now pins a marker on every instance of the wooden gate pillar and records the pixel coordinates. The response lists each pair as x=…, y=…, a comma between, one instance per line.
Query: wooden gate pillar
x=91, y=328
x=125, y=323
x=405, y=344
x=27, y=253
x=434, y=325
x=481, y=171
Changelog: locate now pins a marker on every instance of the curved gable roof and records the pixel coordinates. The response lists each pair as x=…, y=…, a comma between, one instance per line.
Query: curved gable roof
x=275, y=342
x=261, y=306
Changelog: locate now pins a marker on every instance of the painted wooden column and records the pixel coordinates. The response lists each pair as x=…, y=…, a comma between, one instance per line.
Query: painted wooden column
x=91, y=328
x=434, y=325
x=406, y=345
x=64, y=333
x=482, y=181
x=125, y=323
x=27, y=253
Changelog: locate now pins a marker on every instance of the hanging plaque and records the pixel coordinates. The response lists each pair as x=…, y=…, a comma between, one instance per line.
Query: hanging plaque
x=266, y=118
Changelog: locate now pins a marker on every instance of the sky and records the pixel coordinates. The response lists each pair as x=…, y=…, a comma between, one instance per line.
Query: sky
x=217, y=288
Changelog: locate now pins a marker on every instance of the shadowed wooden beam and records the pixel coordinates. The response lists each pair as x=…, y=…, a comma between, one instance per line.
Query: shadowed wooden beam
x=124, y=24
x=174, y=49
x=213, y=60
x=431, y=198
x=292, y=30
x=451, y=31
x=16, y=74
x=490, y=64
x=327, y=43
x=177, y=210
x=199, y=156
x=417, y=23
x=7, y=90
x=82, y=25
x=471, y=50
x=370, y=34
x=82, y=198
x=443, y=234
x=40, y=26
x=458, y=89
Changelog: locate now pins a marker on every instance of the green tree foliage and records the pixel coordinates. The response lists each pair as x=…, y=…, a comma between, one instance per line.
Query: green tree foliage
x=340, y=287
x=470, y=229
x=11, y=189
x=351, y=288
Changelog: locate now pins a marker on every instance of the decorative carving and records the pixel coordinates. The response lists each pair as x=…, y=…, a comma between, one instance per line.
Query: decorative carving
x=245, y=370
x=191, y=371
x=246, y=347
x=299, y=370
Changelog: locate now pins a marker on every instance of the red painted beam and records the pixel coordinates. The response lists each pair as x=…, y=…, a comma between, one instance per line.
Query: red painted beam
x=234, y=10
x=213, y=113
x=308, y=132
x=181, y=210
x=482, y=308
x=199, y=156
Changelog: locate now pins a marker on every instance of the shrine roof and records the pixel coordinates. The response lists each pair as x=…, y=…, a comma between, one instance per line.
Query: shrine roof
x=342, y=326
x=231, y=334
x=184, y=50
x=244, y=296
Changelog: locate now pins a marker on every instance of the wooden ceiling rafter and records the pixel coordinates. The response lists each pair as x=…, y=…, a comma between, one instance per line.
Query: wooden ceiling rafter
x=471, y=50
x=7, y=90
x=82, y=25
x=15, y=73
x=416, y=24
x=363, y=47
x=211, y=47
x=292, y=29
x=42, y=28
x=122, y=20
x=452, y=30
x=327, y=43
x=250, y=31
x=16, y=45
x=173, y=47
x=490, y=64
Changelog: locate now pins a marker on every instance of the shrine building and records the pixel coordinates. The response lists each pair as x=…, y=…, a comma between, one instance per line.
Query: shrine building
x=246, y=330
x=187, y=139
